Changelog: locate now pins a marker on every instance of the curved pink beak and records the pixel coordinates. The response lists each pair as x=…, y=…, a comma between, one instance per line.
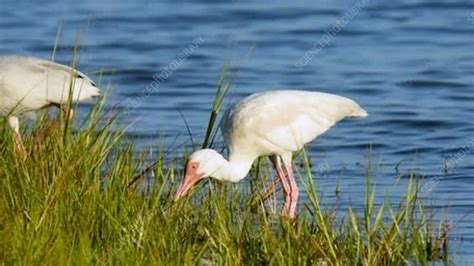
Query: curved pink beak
x=191, y=178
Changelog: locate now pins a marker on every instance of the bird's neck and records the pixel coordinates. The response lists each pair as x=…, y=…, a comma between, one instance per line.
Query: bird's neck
x=236, y=168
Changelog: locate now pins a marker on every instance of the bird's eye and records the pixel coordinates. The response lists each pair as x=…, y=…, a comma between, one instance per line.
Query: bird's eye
x=193, y=166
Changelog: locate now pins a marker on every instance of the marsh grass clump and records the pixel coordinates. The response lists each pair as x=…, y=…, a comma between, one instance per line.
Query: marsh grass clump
x=69, y=202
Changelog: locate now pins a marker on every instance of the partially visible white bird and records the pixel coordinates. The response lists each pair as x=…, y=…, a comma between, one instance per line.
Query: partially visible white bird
x=272, y=123
x=29, y=84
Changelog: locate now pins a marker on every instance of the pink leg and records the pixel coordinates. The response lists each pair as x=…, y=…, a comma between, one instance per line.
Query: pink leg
x=294, y=193
x=286, y=186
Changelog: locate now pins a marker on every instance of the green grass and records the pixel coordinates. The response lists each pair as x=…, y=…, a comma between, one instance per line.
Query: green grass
x=69, y=203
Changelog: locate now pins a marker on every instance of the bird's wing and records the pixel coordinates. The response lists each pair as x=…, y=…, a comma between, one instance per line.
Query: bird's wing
x=285, y=120
x=37, y=82
x=65, y=69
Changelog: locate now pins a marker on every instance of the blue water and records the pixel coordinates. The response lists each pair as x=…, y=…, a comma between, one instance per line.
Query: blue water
x=409, y=63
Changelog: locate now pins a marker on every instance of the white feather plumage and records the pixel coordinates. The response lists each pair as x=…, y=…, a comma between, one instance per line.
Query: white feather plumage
x=28, y=84
x=282, y=121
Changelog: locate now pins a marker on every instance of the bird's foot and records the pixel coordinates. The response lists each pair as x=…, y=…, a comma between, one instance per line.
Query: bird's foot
x=288, y=213
x=289, y=216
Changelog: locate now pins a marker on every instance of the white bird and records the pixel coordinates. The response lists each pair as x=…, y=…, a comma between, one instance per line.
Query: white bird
x=29, y=84
x=275, y=124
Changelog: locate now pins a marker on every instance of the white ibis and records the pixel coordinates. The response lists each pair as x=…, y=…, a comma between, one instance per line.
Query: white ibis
x=29, y=84
x=274, y=124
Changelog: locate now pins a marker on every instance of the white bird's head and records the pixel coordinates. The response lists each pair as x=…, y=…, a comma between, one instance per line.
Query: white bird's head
x=202, y=163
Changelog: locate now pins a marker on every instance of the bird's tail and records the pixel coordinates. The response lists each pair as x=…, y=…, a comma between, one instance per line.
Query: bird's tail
x=359, y=112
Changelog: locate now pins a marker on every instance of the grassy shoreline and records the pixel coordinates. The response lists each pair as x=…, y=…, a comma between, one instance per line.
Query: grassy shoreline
x=70, y=202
